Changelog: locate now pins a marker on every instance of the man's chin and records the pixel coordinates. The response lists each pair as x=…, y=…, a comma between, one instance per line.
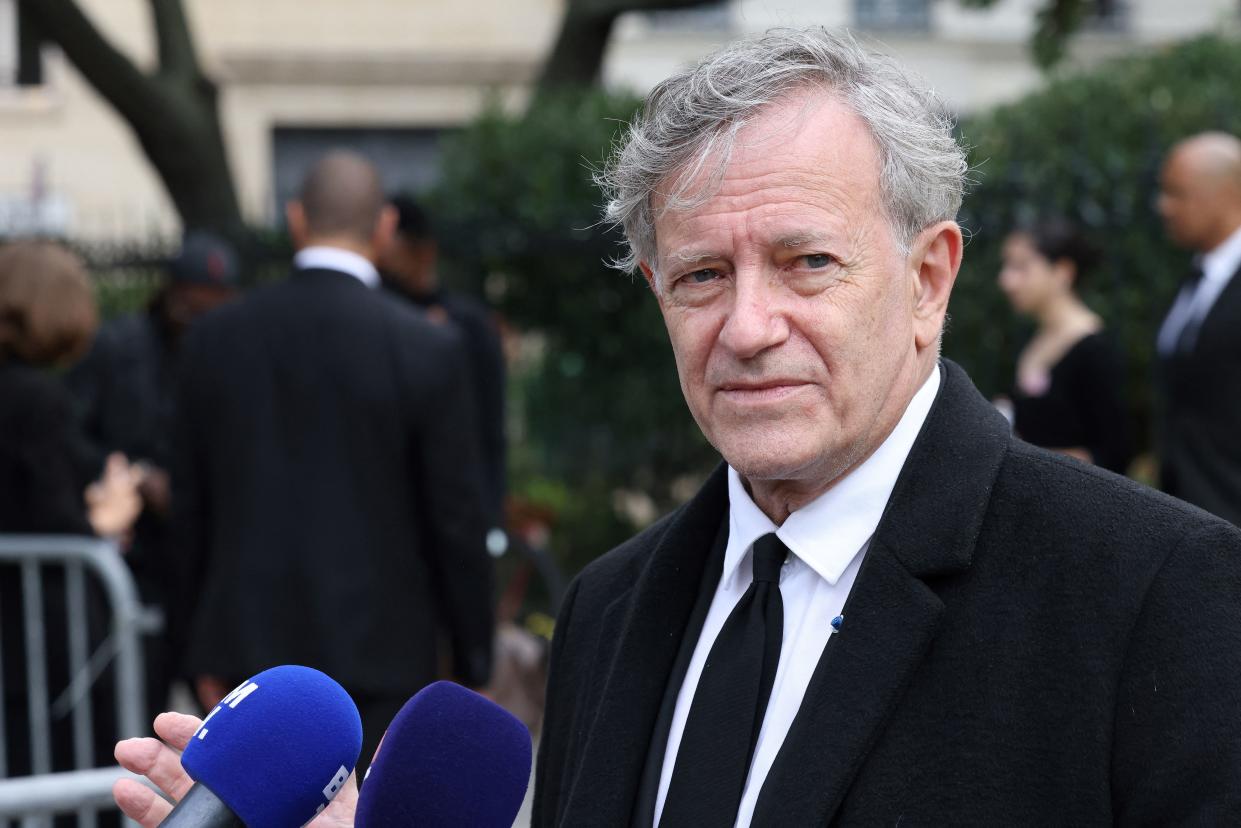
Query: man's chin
x=774, y=466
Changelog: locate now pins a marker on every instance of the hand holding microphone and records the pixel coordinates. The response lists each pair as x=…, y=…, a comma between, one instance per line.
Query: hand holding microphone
x=450, y=758
x=272, y=754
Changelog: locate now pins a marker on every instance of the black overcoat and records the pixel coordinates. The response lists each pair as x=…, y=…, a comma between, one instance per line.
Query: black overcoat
x=1030, y=641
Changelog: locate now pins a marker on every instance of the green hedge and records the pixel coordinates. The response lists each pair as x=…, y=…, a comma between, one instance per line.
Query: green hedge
x=1089, y=146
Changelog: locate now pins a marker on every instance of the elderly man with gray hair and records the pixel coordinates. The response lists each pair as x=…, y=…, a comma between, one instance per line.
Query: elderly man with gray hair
x=881, y=608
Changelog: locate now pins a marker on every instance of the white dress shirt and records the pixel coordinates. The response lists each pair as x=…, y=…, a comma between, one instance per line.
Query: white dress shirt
x=1192, y=306
x=335, y=258
x=828, y=539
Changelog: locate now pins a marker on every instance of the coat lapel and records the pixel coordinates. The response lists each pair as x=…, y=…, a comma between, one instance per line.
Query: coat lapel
x=643, y=629
x=929, y=528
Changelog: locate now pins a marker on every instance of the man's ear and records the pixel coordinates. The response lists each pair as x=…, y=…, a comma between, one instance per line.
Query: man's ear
x=933, y=264
x=295, y=218
x=385, y=230
x=650, y=277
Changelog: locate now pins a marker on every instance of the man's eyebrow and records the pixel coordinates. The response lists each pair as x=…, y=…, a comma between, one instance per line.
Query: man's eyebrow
x=802, y=239
x=695, y=256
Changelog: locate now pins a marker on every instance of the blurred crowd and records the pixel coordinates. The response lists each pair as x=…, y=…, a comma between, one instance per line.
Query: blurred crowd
x=334, y=440
x=314, y=472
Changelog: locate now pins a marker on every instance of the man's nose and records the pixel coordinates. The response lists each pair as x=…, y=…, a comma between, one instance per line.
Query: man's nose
x=756, y=321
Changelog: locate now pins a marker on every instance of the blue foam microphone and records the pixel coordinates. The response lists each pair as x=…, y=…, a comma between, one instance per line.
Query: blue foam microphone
x=449, y=758
x=272, y=754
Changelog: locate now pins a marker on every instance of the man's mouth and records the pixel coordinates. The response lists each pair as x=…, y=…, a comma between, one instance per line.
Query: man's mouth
x=758, y=391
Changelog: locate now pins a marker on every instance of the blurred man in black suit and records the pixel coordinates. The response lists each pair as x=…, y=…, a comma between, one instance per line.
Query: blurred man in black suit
x=327, y=488
x=1199, y=342
x=409, y=268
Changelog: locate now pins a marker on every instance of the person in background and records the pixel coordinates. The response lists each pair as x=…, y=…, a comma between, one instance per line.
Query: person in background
x=47, y=319
x=1199, y=343
x=409, y=267
x=1067, y=395
x=328, y=502
x=125, y=386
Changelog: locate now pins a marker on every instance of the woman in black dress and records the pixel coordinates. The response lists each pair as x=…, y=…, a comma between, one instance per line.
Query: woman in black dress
x=1067, y=395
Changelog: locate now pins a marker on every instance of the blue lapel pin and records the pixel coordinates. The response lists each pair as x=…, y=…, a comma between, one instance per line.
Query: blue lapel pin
x=838, y=622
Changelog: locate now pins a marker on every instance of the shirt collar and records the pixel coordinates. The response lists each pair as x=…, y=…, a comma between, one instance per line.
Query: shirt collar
x=1224, y=259
x=334, y=258
x=828, y=532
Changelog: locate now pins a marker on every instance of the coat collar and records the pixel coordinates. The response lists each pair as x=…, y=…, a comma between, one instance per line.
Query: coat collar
x=929, y=528
x=646, y=622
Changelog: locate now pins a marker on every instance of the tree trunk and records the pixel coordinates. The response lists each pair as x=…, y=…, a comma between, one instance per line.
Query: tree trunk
x=185, y=144
x=576, y=59
x=173, y=112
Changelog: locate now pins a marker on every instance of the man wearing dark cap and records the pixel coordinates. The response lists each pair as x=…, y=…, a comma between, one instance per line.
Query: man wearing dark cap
x=409, y=269
x=125, y=389
x=328, y=498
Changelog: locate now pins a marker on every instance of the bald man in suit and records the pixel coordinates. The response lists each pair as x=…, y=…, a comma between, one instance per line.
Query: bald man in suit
x=328, y=491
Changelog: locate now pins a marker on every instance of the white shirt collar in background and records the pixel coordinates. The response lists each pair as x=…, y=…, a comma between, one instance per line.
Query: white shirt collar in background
x=1221, y=263
x=1192, y=306
x=335, y=258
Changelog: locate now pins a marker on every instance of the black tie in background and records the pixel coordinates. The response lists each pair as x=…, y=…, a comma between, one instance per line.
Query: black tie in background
x=727, y=712
x=1189, y=332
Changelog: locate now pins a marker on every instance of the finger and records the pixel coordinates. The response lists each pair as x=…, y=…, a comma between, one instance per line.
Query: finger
x=343, y=809
x=116, y=466
x=156, y=761
x=176, y=728
x=140, y=803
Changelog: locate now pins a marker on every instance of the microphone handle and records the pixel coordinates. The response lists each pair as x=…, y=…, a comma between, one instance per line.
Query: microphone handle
x=201, y=808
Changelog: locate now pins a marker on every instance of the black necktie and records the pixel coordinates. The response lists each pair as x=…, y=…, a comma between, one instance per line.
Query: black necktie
x=726, y=715
x=1189, y=331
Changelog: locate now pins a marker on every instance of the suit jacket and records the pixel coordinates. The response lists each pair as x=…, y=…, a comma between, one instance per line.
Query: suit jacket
x=1200, y=428
x=1030, y=641
x=485, y=358
x=327, y=493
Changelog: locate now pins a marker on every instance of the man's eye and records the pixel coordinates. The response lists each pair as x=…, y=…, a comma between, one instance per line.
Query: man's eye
x=817, y=261
x=699, y=277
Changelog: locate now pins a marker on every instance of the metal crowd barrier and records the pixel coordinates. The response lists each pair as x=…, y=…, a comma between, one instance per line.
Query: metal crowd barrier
x=33, y=799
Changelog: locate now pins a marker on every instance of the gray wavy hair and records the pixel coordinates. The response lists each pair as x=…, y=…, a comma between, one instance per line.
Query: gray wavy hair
x=694, y=116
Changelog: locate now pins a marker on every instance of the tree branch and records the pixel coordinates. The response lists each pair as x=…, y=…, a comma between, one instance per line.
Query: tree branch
x=1056, y=22
x=577, y=56
x=111, y=73
x=177, y=56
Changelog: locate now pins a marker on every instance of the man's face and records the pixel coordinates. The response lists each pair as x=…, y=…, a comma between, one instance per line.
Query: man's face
x=1189, y=201
x=186, y=302
x=787, y=300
